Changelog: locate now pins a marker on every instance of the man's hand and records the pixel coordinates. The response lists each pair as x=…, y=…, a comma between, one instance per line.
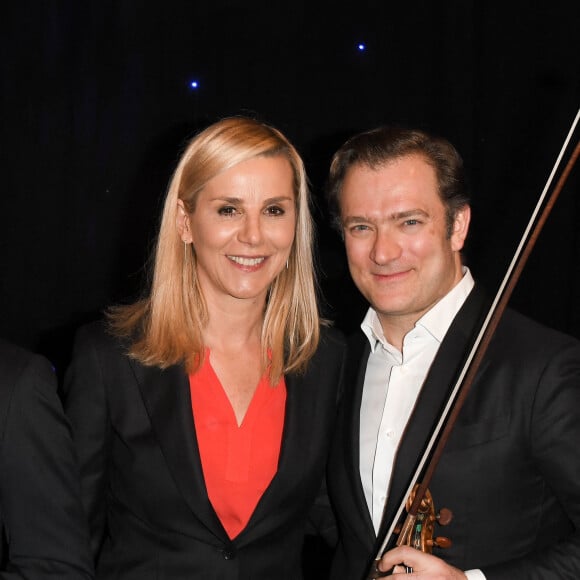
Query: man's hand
x=424, y=565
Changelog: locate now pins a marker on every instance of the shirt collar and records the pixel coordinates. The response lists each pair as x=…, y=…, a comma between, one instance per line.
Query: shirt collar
x=436, y=320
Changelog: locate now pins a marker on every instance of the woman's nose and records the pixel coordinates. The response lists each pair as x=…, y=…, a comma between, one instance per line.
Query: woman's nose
x=251, y=230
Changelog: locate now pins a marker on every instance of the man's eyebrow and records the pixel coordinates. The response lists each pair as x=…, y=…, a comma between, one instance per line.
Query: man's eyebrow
x=408, y=213
x=395, y=216
x=355, y=219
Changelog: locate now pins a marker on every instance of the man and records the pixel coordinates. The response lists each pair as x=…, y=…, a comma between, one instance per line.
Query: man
x=510, y=472
x=43, y=533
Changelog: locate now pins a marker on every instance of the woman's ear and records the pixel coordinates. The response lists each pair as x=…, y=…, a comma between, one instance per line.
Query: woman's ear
x=182, y=222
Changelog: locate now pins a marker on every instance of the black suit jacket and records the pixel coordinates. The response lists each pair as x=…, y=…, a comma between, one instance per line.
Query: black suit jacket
x=511, y=469
x=42, y=524
x=142, y=478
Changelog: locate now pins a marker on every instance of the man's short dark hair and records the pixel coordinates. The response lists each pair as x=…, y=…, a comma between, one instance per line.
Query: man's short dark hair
x=382, y=145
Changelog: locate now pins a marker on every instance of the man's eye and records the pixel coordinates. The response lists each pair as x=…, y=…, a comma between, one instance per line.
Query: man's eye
x=359, y=228
x=227, y=210
x=412, y=222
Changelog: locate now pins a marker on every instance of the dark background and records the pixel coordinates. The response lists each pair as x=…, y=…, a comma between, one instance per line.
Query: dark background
x=96, y=106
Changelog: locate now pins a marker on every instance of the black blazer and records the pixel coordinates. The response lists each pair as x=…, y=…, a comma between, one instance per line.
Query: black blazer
x=511, y=469
x=43, y=530
x=142, y=478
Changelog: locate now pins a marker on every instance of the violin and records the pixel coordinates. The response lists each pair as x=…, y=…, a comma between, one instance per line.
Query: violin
x=419, y=530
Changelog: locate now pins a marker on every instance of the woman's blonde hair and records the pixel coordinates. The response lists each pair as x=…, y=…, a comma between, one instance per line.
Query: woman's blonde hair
x=166, y=327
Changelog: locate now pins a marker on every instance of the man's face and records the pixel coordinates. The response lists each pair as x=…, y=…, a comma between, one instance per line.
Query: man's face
x=400, y=253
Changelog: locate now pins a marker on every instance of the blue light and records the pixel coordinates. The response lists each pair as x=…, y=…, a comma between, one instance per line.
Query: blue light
x=361, y=46
x=194, y=85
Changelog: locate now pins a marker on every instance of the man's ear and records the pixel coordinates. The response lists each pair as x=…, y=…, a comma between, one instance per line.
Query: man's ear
x=182, y=222
x=460, y=228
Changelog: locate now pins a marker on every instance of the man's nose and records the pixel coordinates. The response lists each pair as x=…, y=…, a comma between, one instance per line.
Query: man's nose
x=385, y=248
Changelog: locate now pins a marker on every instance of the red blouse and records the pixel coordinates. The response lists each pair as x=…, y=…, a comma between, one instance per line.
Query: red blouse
x=238, y=462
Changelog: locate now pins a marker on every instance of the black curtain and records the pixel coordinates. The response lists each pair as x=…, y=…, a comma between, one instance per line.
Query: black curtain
x=96, y=105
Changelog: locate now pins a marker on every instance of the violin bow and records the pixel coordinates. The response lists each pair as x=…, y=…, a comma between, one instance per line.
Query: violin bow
x=446, y=421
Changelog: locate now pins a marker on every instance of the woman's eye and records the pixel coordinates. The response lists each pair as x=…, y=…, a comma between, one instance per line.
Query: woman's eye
x=275, y=210
x=227, y=210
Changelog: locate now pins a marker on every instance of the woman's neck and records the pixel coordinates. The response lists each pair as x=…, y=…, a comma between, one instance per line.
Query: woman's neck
x=232, y=328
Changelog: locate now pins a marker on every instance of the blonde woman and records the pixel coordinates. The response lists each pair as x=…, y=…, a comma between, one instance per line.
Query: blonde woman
x=202, y=414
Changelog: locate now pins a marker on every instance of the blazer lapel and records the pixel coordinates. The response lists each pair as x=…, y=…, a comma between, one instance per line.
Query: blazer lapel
x=359, y=351
x=167, y=398
x=440, y=380
x=286, y=462
x=294, y=438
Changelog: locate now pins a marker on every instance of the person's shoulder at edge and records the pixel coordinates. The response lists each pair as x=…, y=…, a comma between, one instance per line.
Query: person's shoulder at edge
x=14, y=359
x=44, y=516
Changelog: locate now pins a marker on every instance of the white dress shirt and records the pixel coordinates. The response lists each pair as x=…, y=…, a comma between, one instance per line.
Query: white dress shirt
x=393, y=380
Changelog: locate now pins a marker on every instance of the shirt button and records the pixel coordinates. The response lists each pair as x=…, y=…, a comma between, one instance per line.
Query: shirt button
x=228, y=554
x=390, y=433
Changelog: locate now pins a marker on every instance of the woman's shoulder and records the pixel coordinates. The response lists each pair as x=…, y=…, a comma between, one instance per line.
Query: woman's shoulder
x=99, y=336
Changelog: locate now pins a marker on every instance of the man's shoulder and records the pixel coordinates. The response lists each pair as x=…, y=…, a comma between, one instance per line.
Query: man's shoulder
x=356, y=343
x=515, y=330
x=356, y=337
x=332, y=337
x=520, y=329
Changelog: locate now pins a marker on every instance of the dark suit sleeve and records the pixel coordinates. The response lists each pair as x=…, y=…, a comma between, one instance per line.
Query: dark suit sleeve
x=85, y=404
x=39, y=490
x=554, y=447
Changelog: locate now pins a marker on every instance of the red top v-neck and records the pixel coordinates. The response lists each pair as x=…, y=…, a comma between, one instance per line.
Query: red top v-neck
x=238, y=462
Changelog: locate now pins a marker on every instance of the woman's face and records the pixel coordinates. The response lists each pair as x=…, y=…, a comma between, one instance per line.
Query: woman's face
x=242, y=229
